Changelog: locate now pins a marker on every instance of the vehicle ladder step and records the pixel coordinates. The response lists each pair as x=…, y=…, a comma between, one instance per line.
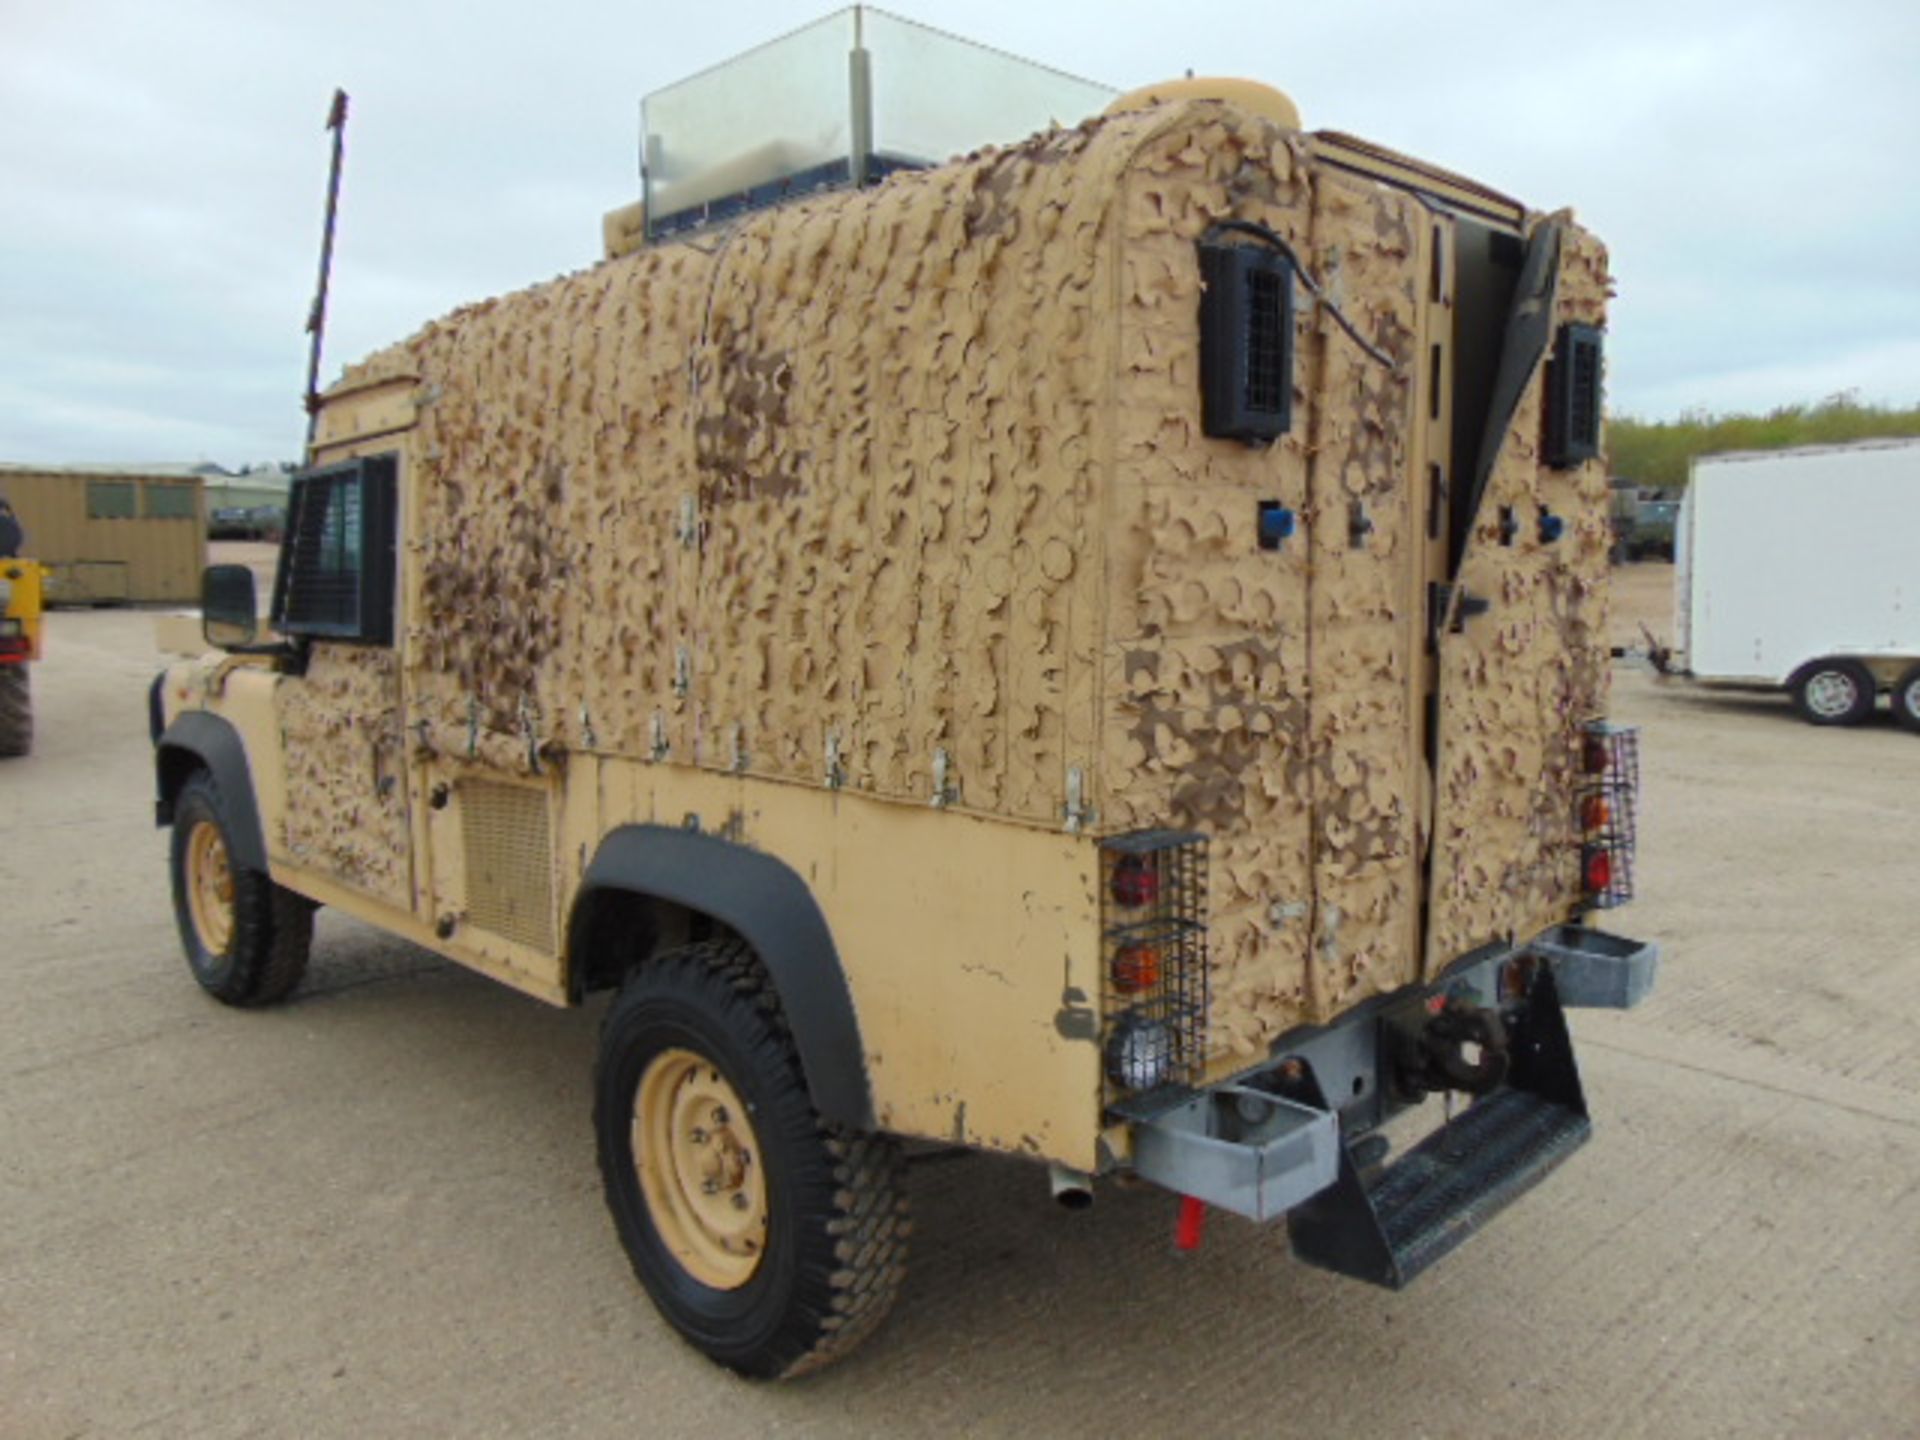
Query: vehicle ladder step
x=1438, y=1193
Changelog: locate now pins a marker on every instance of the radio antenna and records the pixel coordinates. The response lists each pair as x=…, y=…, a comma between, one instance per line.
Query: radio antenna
x=317, y=316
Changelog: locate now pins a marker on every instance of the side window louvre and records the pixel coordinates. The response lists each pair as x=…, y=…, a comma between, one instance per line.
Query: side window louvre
x=336, y=575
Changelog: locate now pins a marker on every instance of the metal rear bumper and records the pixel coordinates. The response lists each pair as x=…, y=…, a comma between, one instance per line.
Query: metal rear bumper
x=1269, y=1142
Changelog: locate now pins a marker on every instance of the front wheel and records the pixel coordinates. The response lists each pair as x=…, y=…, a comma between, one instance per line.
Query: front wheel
x=246, y=938
x=771, y=1241
x=1906, y=699
x=1834, y=692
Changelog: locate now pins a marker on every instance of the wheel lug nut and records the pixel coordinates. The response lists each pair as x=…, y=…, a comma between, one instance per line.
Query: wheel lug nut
x=710, y=1187
x=719, y=1115
x=699, y=1136
x=739, y=1201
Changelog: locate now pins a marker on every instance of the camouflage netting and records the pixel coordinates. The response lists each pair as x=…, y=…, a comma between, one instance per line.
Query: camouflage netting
x=344, y=756
x=1506, y=850
x=919, y=470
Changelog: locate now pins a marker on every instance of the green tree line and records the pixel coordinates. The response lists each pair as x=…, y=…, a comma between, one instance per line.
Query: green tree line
x=1657, y=452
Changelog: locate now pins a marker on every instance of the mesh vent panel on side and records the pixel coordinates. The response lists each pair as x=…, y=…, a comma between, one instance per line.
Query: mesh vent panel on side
x=509, y=856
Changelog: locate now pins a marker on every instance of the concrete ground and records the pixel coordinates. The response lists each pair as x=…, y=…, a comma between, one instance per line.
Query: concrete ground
x=375, y=1211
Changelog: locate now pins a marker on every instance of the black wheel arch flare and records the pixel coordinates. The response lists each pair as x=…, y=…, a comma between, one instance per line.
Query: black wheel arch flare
x=200, y=741
x=768, y=905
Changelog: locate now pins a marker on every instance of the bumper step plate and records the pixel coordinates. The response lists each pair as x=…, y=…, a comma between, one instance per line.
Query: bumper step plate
x=1390, y=1226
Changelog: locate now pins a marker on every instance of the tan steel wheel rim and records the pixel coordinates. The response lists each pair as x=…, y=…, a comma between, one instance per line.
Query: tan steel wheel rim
x=698, y=1160
x=210, y=887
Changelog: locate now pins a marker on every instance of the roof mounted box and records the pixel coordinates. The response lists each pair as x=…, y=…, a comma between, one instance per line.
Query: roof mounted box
x=842, y=102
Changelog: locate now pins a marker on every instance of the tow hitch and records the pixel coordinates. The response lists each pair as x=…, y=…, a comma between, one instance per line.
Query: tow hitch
x=1447, y=1043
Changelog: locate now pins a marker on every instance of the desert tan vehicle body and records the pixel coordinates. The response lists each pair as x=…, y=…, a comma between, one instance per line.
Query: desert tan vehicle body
x=878, y=538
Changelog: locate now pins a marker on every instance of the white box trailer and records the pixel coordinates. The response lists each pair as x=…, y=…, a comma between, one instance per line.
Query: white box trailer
x=1797, y=568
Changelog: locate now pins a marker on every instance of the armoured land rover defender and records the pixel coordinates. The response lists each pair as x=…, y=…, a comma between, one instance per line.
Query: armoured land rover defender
x=1094, y=650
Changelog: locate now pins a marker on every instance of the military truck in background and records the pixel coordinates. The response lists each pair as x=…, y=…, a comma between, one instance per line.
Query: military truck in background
x=1644, y=522
x=1095, y=651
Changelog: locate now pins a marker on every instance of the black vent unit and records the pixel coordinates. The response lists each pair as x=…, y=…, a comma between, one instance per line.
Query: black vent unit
x=1573, y=398
x=1246, y=343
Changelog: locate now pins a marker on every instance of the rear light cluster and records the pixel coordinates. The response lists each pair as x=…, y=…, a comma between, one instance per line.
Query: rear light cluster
x=1153, y=888
x=1607, y=797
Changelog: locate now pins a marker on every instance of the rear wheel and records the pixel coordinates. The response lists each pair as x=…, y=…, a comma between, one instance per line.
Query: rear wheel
x=773, y=1242
x=1906, y=699
x=246, y=938
x=16, y=711
x=1834, y=692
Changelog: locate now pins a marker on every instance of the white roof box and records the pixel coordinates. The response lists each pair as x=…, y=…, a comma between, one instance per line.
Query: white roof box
x=843, y=102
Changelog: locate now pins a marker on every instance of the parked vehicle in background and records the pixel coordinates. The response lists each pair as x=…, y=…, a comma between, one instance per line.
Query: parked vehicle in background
x=1797, y=568
x=1643, y=519
x=251, y=522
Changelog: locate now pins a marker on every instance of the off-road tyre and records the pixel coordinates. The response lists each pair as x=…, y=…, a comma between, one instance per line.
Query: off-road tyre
x=1834, y=691
x=834, y=1244
x=16, y=711
x=261, y=956
x=1906, y=699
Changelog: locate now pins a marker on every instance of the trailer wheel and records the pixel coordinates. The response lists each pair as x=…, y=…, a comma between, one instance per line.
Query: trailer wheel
x=1906, y=699
x=770, y=1240
x=246, y=938
x=1834, y=692
x=16, y=711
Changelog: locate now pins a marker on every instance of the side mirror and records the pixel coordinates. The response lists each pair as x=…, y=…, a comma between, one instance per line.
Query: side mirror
x=229, y=609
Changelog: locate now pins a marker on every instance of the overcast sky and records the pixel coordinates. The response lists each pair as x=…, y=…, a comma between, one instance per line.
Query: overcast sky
x=162, y=163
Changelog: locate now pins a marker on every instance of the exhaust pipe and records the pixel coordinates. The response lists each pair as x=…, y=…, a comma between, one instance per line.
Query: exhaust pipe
x=1072, y=1189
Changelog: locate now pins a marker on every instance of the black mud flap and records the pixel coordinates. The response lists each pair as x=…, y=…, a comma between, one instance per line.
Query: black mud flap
x=1388, y=1227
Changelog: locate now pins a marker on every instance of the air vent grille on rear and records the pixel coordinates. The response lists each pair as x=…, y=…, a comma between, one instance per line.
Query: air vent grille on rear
x=509, y=855
x=1573, y=397
x=1246, y=342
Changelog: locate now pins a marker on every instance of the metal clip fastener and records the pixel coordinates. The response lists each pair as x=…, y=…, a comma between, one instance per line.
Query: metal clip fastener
x=739, y=748
x=688, y=530
x=659, y=736
x=531, y=731
x=1078, y=813
x=682, y=670
x=836, y=773
x=942, y=783
x=586, y=728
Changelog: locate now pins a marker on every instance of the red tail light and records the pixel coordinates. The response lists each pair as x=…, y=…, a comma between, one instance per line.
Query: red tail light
x=1598, y=871
x=1136, y=882
x=1136, y=968
x=1605, y=809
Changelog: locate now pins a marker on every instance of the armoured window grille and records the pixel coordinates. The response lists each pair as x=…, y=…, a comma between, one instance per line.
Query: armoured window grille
x=1154, y=986
x=1608, y=800
x=337, y=559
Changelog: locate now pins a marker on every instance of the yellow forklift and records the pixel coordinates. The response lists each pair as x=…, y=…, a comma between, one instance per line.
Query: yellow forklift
x=20, y=590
